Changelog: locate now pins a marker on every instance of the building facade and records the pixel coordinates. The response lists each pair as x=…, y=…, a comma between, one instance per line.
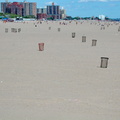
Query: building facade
x=62, y=13
x=41, y=16
x=3, y=6
x=20, y=8
x=26, y=8
x=53, y=11
x=29, y=8
x=15, y=8
x=0, y=7
x=32, y=9
x=41, y=13
x=42, y=10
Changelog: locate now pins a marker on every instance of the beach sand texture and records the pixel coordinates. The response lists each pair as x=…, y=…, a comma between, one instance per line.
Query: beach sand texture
x=64, y=81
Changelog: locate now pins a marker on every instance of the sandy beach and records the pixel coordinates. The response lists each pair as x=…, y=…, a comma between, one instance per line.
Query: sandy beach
x=65, y=80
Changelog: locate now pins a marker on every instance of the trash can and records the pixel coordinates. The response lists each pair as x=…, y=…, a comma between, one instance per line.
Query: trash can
x=83, y=38
x=119, y=29
x=49, y=28
x=94, y=42
x=12, y=29
x=104, y=62
x=73, y=35
x=41, y=46
x=58, y=29
x=6, y=30
x=15, y=30
x=19, y=29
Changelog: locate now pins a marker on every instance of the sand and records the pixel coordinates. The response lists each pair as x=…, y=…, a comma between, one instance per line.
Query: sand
x=65, y=81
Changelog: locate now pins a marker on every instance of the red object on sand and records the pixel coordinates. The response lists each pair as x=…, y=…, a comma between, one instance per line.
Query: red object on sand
x=41, y=46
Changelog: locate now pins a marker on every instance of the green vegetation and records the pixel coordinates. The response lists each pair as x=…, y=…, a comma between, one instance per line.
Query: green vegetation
x=84, y=18
x=7, y=15
x=11, y=15
x=1, y=14
x=50, y=18
x=29, y=16
x=76, y=18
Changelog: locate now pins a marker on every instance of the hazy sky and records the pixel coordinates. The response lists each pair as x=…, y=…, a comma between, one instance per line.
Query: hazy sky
x=83, y=8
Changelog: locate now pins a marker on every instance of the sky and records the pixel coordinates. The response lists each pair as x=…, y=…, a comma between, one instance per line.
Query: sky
x=82, y=8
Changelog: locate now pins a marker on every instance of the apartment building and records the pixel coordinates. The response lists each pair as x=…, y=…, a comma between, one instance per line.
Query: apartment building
x=20, y=8
x=53, y=11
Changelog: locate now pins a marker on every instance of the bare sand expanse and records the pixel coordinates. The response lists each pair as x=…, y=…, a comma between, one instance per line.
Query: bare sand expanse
x=65, y=81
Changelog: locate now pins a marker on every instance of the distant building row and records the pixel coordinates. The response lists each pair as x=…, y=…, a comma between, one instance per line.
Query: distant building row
x=30, y=8
x=51, y=11
x=19, y=8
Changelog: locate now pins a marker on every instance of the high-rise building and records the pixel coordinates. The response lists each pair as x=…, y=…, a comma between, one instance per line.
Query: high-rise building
x=0, y=7
x=25, y=8
x=53, y=11
x=42, y=10
x=29, y=8
x=63, y=13
x=41, y=13
x=3, y=6
x=20, y=8
x=32, y=9
x=15, y=8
